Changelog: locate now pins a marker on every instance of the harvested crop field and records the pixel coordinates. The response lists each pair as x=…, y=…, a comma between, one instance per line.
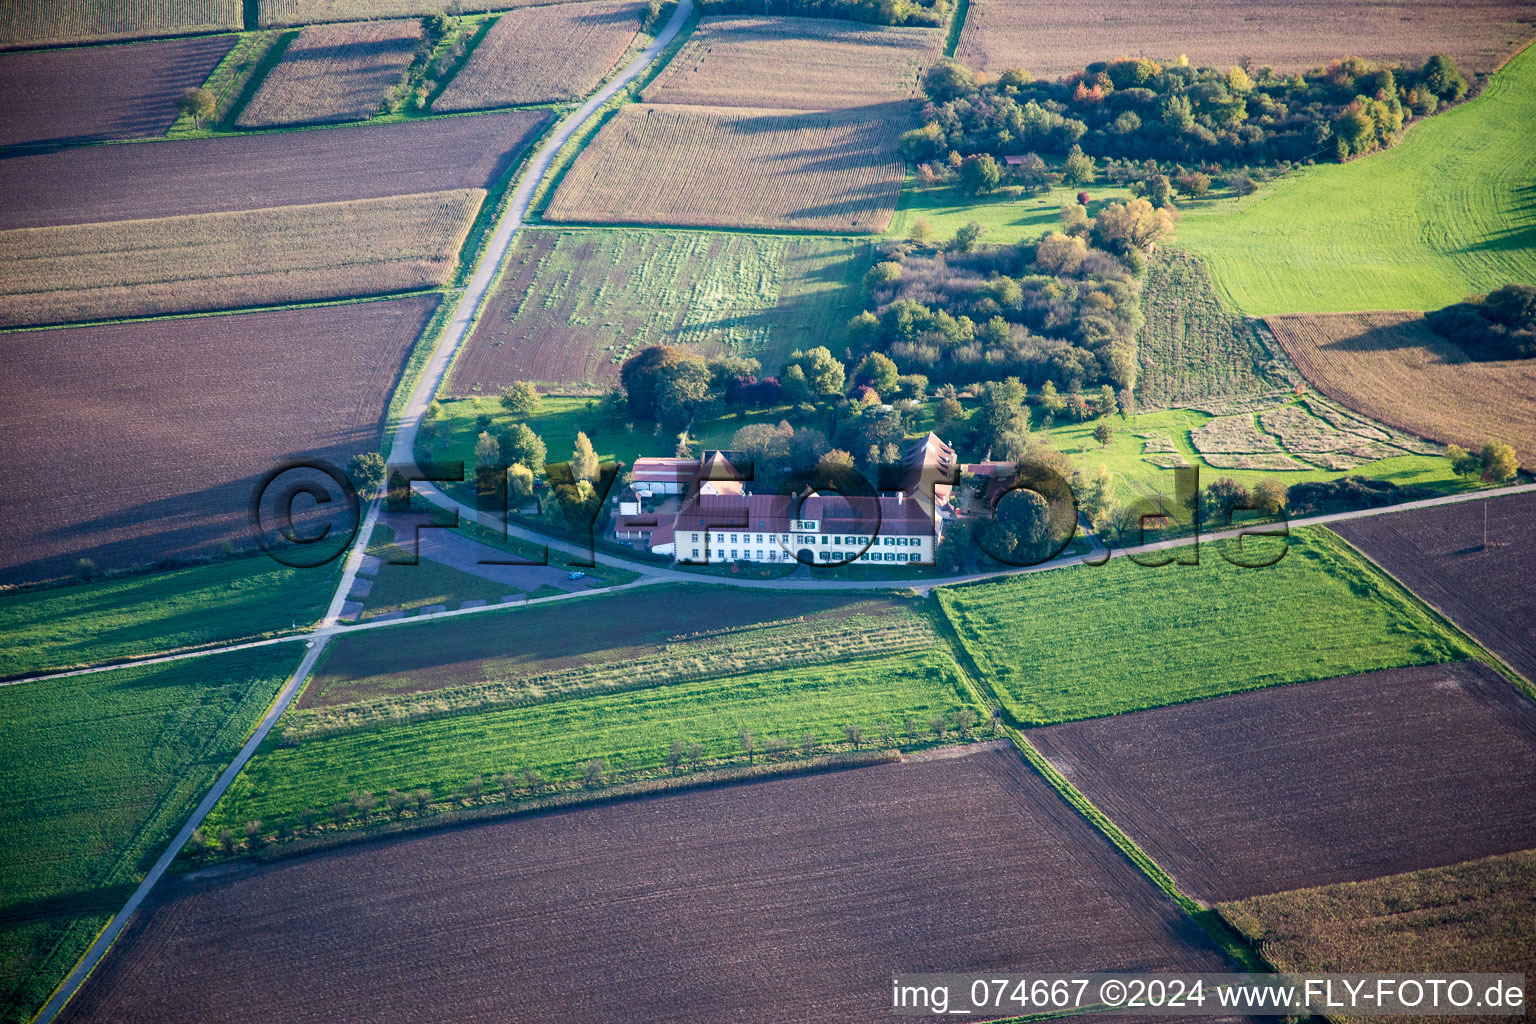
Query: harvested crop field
x=303, y=12
x=796, y=63
x=543, y=55
x=1459, y=919
x=834, y=171
x=1439, y=554
x=601, y=630
x=700, y=906
x=92, y=93
x=573, y=304
x=40, y=22
x=91, y=184
x=1393, y=368
x=334, y=73
x=209, y=261
x=1049, y=39
x=237, y=396
x=1330, y=781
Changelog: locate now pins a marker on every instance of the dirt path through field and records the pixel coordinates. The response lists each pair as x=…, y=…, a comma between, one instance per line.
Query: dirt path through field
x=400, y=453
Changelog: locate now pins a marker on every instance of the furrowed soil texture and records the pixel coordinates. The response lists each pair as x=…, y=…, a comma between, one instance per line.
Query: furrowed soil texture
x=1393, y=368
x=832, y=171
x=879, y=869
x=1089, y=641
x=301, y=12
x=543, y=55
x=556, y=736
x=796, y=63
x=223, y=260
x=1439, y=553
x=334, y=73
x=1329, y=781
x=91, y=93
x=1190, y=349
x=1443, y=214
x=100, y=771
x=92, y=184
x=1051, y=39
x=572, y=305
x=601, y=630
x=233, y=397
x=36, y=22
x=1461, y=918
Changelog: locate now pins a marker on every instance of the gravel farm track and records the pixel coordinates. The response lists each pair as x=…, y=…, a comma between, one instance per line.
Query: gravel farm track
x=1336, y=780
x=713, y=897
x=990, y=797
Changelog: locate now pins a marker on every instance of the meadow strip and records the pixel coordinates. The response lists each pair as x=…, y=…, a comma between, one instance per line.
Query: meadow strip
x=227, y=260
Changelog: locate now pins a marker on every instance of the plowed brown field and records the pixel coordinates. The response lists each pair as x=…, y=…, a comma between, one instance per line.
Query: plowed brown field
x=1049, y=39
x=1393, y=368
x=543, y=54
x=128, y=443
x=1312, y=783
x=1439, y=553
x=1302, y=785
x=804, y=170
x=90, y=184
x=90, y=93
x=788, y=900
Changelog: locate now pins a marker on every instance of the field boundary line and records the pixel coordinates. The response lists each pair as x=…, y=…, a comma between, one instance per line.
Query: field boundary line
x=1484, y=652
x=98, y=949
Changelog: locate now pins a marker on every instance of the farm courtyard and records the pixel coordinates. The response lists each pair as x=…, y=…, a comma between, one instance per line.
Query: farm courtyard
x=606, y=511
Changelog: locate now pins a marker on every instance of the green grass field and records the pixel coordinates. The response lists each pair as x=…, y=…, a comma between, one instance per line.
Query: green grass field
x=1449, y=211
x=1089, y=641
x=557, y=737
x=1007, y=218
x=99, y=772
x=134, y=616
x=572, y=304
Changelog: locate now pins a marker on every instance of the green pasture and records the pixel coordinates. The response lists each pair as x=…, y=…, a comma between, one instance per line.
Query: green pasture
x=556, y=738
x=1007, y=218
x=1448, y=211
x=1089, y=641
x=99, y=772
x=134, y=616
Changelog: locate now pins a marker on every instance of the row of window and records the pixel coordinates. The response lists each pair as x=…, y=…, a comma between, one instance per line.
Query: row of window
x=773, y=555
x=783, y=538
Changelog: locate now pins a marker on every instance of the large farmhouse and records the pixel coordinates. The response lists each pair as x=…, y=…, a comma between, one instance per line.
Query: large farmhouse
x=700, y=512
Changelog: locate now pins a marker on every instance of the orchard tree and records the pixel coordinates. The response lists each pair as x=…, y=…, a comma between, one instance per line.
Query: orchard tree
x=519, y=444
x=1269, y=495
x=1134, y=226
x=1194, y=184
x=823, y=373
x=367, y=471
x=1103, y=432
x=980, y=174
x=1499, y=461
x=199, y=104
x=521, y=399
x=584, y=464
x=1078, y=169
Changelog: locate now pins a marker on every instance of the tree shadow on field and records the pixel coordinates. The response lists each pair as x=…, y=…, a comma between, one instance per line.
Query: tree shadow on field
x=102, y=899
x=1410, y=334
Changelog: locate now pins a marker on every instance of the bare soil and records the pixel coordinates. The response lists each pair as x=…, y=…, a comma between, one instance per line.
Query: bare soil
x=787, y=900
x=163, y=179
x=130, y=443
x=1439, y=554
x=599, y=631
x=1049, y=39
x=90, y=93
x=1312, y=783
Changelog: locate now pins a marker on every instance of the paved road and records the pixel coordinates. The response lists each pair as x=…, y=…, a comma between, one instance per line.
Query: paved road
x=404, y=443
